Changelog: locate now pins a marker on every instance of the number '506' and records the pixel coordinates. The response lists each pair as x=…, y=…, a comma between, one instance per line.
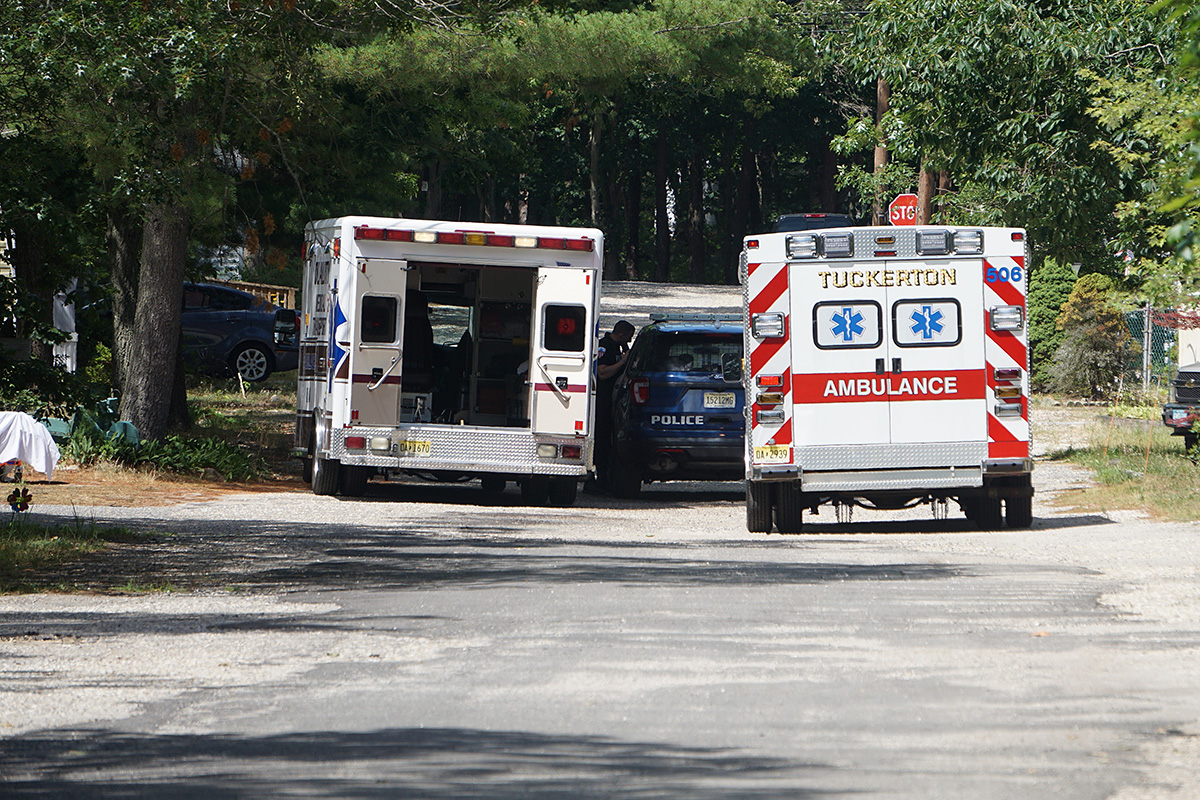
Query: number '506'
x=1003, y=274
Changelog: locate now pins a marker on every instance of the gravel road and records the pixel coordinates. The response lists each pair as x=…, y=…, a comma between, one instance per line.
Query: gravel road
x=1099, y=630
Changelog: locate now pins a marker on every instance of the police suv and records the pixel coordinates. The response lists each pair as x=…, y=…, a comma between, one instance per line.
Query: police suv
x=677, y=410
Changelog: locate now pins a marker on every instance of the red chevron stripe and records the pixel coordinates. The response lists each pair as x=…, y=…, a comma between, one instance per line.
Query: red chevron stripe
x=1008, y=342
x=770, y=293
x=767, y=349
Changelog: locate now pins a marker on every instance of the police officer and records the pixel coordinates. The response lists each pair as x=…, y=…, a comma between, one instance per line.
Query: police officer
x=610, y=363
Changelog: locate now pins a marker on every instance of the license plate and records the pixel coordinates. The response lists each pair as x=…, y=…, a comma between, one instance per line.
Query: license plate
x=1179, y=413
x=414, y=448
x=773, y=454
x=720, y=400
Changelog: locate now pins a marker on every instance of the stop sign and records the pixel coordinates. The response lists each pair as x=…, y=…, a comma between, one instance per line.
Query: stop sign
x=903, y=210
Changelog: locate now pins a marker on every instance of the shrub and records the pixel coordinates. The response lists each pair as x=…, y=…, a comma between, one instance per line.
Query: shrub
x=1096, y=344
x=175, y=454
x=1050, y=285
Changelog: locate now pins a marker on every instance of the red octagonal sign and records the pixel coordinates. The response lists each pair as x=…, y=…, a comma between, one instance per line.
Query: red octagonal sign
x=903, y=210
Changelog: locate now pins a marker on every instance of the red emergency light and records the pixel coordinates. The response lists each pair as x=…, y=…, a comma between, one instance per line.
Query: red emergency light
x=479, y=238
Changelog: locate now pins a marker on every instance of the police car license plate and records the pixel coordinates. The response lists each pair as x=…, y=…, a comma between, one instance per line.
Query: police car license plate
x=773, y=454
x=719, y=400
x=410, y=447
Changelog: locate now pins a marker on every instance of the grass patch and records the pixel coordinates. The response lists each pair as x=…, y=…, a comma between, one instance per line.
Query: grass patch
x=1138, y=465
x=29, y=548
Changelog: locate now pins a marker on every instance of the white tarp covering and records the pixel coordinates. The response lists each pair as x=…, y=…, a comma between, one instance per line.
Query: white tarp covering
x=24, y=438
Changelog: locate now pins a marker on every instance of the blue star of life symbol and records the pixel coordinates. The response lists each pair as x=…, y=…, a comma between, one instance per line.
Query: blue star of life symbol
x=927, y=322
x=847, y=324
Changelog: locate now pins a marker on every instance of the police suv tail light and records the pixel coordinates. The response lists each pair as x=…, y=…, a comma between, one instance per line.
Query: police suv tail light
x=968, y=243
x=766, y=326
x=838, y=245
x=639, y=390
x=1007, y=318
x=802, y=246
x=933, y=243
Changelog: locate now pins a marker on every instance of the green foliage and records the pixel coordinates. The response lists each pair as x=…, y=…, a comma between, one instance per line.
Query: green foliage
x=185, y=456
x=1050, y=285
x=42, y=390
x=1096, y=344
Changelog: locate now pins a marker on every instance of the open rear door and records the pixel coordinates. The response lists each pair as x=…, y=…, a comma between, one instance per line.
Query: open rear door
x=560, y=368
x=377, y=341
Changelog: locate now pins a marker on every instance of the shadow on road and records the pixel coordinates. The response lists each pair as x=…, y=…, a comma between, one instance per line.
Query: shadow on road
x=399, y=762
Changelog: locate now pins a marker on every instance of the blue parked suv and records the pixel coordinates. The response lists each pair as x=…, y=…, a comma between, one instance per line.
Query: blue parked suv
x=227, y=331
x=677, y=409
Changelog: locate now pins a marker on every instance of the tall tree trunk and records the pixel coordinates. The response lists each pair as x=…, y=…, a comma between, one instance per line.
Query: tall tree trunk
x=882, y=98
x=594, y=169
x=727, y=240
x=662, y=226
x=123, y=241
x=433, y=190
x=696, y=218
x=943, y=186
x=633, y=222
x=153, y=343
x=926, y=188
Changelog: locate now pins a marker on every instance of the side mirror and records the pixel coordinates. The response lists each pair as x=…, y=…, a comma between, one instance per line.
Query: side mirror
x=731, y=368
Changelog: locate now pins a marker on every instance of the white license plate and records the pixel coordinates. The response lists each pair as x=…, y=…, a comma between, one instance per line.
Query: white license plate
x=1179, y=413
x=414, y=448
x=720, y=400
x=773, y=454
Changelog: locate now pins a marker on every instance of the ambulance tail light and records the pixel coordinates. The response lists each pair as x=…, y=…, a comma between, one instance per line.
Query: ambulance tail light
x=769, y=381
x=933, y=243
x=802, y=246
x=639, y=390
x=770, y=398
x=356, y=443
x=1008, y=392
x=1007, y=318
x=572, y=451
x=1008, y=374
x=968, y=243
x=767, y=326
x=1008, y=410
x=769, y=416
x=547, y=450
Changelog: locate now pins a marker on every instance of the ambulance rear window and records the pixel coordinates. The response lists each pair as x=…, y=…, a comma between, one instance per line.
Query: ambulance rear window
x=379, y=317
x=563, y=328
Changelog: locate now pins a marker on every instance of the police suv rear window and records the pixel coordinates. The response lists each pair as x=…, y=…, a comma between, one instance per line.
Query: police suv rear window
x=693, y=352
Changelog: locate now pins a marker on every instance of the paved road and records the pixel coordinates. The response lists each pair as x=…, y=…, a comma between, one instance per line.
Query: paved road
x=426, y=642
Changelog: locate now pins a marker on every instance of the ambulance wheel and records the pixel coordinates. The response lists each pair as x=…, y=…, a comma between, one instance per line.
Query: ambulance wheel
x=1018, y=512
x=758, y=507
x=253, y=362
x=354, y=480
x=325, y=476
x=535, y=490
x=789, y=508
x=492, y=483
x=987, y=517
x=562, y=492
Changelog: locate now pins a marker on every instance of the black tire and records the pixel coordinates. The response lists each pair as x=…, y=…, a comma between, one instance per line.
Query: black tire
x=535, y=490
x=325, y=476
x=758, y=507
x=1018, y=512
x=493, y=483
x=354, y=480
x=253, y=361
x=562, y=492
x=988, y=517
x=789, y=508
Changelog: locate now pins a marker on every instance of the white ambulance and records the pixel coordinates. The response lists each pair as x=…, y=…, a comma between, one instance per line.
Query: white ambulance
x=448, y=350
x=887, y=367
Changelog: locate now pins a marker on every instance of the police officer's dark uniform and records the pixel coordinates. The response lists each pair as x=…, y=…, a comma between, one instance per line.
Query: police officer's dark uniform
x=614, y=346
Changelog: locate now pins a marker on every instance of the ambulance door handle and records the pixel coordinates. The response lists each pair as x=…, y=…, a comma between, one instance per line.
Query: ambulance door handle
x=879, y=366
x=896, y=366
x=379, y=375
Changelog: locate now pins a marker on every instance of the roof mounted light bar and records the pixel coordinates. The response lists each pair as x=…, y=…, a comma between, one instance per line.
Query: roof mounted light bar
x=474, y=238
